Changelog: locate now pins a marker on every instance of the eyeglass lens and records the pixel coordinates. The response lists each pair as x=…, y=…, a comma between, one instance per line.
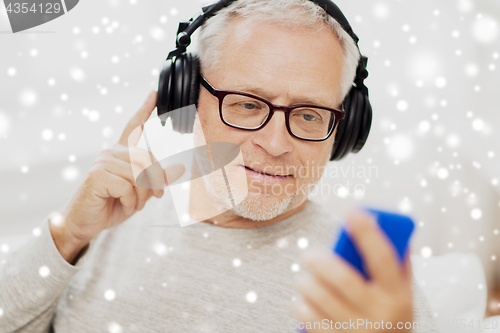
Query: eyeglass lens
x=250, y=113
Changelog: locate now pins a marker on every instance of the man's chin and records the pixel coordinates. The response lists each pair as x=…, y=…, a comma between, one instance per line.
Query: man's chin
x=262, y=208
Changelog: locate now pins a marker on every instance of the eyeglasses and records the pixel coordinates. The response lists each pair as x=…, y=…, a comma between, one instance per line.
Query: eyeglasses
x=251, y=113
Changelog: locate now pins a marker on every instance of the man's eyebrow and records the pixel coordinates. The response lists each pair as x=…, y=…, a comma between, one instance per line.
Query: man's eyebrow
x=260, y=92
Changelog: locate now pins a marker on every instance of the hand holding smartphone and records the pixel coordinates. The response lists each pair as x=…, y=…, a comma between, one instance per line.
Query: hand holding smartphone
x=398, y=229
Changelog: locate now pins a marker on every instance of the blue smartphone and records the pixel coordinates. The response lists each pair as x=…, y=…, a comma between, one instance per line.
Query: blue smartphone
x=397, y=227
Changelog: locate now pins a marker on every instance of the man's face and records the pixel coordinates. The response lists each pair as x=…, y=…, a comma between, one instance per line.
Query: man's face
x=288, y=67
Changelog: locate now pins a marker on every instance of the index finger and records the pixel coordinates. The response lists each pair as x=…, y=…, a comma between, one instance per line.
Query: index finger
x=138, y=119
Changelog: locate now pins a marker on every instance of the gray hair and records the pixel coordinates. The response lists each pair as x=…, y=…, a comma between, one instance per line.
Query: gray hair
x=282, y=12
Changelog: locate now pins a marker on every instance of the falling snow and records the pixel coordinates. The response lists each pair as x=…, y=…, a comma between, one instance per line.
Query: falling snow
x=36, y=232
x=282, y=243
x=485, y=29
x=44, y=271
x=402, y=105
x=28, y=98
x=70, y=173
x=381, y=10
x=476, y=213
x=442, y=173
x=400, y=147
x=303, y=243
x=56, y=219
x=77, y=74
x=4, y=248
x=109, y=295
x=160, y=249
x=5, y=124
x=251, y=297
x=114, y=328
x=426, y=252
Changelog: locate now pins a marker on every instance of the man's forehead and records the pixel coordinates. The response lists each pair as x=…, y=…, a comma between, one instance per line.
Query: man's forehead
x=269, y=60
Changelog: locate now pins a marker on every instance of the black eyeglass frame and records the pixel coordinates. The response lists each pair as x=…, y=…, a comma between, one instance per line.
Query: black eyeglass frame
x=338, y=115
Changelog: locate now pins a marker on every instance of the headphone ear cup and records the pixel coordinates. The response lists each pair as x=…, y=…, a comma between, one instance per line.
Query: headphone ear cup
x=356, y=125
x=345, y=127
x=338, y=138
x=190, y=90
x=163, y=100
x=357, y=115
x=179, y=87
x=365, y=125
x=176, y=92
x=186, y=69
x=194, y=91
x=186, y=80
x=177, y=83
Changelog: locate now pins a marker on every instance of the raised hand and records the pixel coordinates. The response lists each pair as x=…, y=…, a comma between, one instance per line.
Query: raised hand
x=109, y=194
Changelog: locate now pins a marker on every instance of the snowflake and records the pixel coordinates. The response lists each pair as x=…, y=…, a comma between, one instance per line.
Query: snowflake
x=70, y=173
x=476, y=213
x=37, y=232
x=114, y=328
x=44, y=271
x=160, y=249
x=236, y=262
x=251, y=297
x=282, y=243
x=303, y=243
x=109, y=295
x=426, y=252
x=485, y=29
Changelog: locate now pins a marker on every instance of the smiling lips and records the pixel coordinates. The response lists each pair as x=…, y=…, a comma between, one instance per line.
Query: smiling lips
x=265, y=176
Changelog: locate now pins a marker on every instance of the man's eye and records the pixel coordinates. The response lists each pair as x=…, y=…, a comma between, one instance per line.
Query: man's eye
x=309, y=117
x=249, y=106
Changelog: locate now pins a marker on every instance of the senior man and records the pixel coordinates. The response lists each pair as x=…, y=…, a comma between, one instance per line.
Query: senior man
x=87, y=270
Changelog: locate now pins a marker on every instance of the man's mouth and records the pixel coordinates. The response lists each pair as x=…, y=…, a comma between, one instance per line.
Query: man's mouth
x=267, y=174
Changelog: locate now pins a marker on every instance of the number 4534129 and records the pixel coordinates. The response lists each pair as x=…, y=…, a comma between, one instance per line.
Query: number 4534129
x=49, y=8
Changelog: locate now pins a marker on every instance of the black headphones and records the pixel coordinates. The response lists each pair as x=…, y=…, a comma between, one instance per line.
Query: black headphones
x=179, y=85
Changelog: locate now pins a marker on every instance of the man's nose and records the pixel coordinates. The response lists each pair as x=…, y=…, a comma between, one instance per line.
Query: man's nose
x=274, y=137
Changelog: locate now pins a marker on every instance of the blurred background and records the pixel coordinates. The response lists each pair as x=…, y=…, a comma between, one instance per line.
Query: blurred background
x=69, y=86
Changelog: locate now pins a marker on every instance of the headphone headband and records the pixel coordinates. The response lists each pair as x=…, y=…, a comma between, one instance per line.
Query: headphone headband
x=186, y=29
x=334, y=11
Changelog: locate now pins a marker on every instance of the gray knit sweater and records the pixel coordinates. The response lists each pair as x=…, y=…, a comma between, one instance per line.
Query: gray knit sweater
x=150, y=275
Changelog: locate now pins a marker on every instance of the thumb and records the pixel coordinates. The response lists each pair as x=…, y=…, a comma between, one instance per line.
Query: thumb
x=407, y=269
